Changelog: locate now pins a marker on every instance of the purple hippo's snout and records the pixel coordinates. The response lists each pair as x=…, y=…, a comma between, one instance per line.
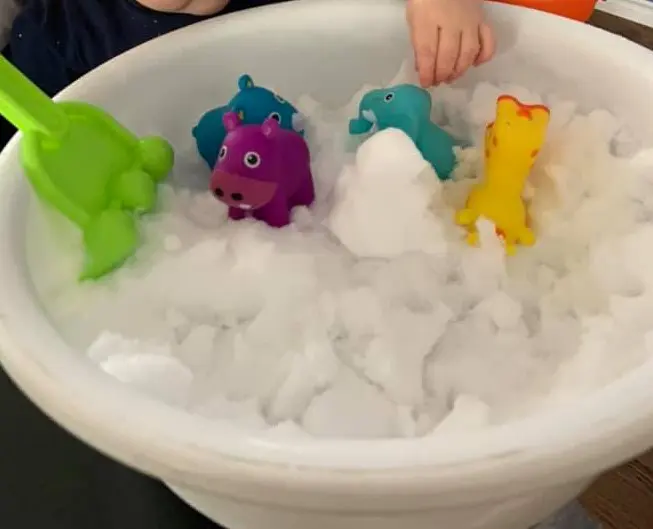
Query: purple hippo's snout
x=241, y=192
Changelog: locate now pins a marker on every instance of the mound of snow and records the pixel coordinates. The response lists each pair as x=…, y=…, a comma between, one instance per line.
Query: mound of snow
x=382, y=205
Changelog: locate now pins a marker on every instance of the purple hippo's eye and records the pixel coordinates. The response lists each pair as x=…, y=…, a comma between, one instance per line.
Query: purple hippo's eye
x=279, y=98
x=252, y=160
x=389, y=97
x=275, y=116
x=222, y=153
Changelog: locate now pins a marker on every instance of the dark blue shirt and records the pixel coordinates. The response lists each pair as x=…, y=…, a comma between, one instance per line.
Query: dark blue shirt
x=54, y=42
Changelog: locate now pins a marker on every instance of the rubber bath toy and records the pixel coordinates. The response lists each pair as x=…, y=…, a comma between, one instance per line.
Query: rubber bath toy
x=254, y=104
x=87, y=166
x=408, y=108
x=512, y=143
x=263, y=171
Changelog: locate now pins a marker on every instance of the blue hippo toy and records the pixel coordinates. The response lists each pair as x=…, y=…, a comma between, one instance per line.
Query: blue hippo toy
x=408, y=108
x=253, y=104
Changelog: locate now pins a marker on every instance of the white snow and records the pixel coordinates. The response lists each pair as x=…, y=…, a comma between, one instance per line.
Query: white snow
x=387, y=190
x=369, y=317
x=148, y=367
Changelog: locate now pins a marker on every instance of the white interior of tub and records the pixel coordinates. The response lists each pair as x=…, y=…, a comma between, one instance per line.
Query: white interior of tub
x=614, y=75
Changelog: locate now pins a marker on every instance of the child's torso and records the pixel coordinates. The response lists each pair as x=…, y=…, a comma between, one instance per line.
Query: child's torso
x=87, y=33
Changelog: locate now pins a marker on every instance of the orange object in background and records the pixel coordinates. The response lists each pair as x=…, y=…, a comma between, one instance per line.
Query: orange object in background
x=577, y=9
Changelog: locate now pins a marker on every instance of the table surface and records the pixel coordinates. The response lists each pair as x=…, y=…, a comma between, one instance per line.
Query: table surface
x=51, y=480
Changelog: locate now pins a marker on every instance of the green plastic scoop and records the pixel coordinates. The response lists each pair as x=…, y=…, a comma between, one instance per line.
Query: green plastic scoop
x=87, y=166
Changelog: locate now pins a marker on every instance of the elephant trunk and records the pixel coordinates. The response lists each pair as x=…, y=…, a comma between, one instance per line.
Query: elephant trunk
x=363, y=123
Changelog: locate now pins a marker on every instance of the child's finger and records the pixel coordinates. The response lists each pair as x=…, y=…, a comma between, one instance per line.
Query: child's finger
x=448, y=51
x=487, y=44
x=425, y=50
x=469, y=51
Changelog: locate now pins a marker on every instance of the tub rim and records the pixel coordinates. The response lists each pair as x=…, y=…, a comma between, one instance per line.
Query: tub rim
x=544, y=450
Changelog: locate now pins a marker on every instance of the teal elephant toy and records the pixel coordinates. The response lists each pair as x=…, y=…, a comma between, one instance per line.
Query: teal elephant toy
x=408, y=108
x=253, y=104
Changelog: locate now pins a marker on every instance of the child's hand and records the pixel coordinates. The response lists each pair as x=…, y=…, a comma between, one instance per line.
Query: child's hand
x=448, y=37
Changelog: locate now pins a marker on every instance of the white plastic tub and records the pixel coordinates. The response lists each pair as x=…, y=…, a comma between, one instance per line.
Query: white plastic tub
x=505, y=478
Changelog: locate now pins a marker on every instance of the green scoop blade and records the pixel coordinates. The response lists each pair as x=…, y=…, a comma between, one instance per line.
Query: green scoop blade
x=86, y=165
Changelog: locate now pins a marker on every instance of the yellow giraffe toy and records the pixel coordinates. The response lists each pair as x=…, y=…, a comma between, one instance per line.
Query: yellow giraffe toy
x=512, y=143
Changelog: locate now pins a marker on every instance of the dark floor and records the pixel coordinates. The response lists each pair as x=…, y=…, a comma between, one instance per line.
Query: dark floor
x=623, y=498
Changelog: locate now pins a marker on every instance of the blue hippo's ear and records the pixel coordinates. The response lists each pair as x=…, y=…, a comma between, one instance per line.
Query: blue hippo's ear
x=245, y=81
x=275, y=116
x=239, y=111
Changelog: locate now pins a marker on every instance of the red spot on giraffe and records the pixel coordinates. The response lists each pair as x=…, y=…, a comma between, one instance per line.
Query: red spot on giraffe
x=524, y=112
x=502, y=234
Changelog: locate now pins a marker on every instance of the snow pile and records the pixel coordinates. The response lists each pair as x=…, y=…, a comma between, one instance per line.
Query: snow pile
x=383, y=202
x=369, y=316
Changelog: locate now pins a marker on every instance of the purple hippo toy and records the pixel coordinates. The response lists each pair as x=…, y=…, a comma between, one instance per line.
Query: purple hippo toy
x=263, y=171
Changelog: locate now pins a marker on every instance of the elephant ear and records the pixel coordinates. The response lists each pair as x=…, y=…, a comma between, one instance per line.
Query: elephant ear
x=245, y=81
